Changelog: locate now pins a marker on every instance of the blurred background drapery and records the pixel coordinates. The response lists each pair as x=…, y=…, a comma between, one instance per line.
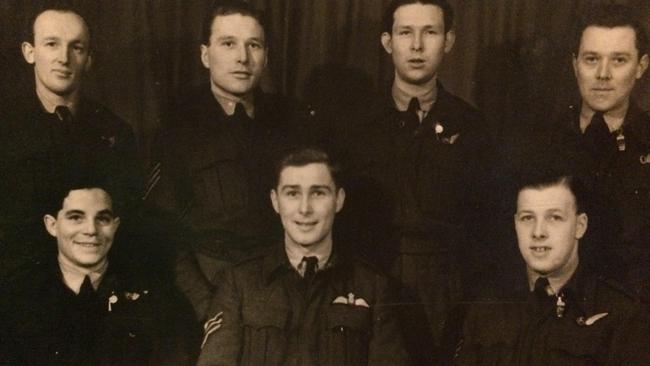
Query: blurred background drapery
x=512, y=58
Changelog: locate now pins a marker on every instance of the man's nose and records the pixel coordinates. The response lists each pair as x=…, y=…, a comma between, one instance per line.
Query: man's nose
x=305, y=205
x=604, y=71
x=416, y=44
x=540, y=230
x=64, y=54
x=90, y=228
x=243, y=54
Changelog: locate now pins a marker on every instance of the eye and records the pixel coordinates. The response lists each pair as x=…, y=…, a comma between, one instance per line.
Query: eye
x=319, y=193
x=525, y=218
x=404, y=32
x=431, y=32
x=590, y=59
x=291, y=193
x=75, y=218
x=228, y=44
x=50, y=44
x=556, y=217
x=105, y=219
x=79, y=48
x=620, y=60
x=255, y=45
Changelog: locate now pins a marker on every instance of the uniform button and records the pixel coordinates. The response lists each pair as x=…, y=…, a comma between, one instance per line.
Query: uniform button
x=132, y=335
x=312, y=113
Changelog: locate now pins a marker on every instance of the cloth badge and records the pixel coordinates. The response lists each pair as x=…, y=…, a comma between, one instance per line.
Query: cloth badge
x=351, y=300
x=211, y=326
x=591, y=320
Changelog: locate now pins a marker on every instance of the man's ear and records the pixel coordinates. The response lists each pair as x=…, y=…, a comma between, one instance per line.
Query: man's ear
x=643, y=66
x=28, y=52
x=274, y=200
x=581, y=225
x=450, y=40
x=340, y=199
x=386, y=41
x=117, y=222
x=205, y=59
x=89, y=63
x=50, y=224
x=574, y=62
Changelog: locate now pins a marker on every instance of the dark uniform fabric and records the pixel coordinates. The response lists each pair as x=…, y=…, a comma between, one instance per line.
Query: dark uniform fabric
x=127, y=321
x=37, y=150
x=215, y=178
x=618, y=172
x=272, y=316
x=520, y=327
x=414, y=203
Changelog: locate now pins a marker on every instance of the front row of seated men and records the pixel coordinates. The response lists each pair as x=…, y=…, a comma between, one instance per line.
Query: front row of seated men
x=306, y=301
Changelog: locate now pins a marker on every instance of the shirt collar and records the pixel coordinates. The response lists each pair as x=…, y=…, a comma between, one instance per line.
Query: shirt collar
x=402, y=98
x=277, y=261
x=228, y=103
x=295, y=254
x=73, y=277
x=556, y=282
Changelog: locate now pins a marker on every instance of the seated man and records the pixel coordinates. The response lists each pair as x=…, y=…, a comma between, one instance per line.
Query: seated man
x=304, y=302
x=565, y=315
x=80, y=308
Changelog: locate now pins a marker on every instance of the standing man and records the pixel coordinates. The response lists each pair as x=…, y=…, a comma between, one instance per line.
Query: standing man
x=304, y=302
x=562, y=314
x=216, y=151
x=56, y=131
x=610, y=136
x=417, y=162
x=79, y=306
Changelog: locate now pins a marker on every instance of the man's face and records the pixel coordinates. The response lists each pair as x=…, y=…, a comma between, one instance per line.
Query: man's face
x=548, y=229
x=236, y=55
x=607, y=66
x=417, y=42
x=307, y=200
x=60, y=53
x=84, y=227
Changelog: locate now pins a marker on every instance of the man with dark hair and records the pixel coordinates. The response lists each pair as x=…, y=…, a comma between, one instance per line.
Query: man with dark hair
x=304, y=302
x=79, y=307
x=563, y=314
x=609, y=136
x=56, y=130
x=416, y=165
x=216, y=151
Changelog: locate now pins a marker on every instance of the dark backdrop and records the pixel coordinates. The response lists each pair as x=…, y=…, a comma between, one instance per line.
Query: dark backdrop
x=511, y=59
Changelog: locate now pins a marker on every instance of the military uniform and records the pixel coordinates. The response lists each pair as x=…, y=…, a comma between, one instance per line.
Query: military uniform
x=412, y=192
x=272, y=316
x=127, y=321
x=592, y=322
x=215, y=176
x=620, y=181
x=38, y=149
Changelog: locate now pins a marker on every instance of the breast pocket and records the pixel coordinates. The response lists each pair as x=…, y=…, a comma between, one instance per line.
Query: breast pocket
x=346, y=336
x=575, y=345
x=265, y=335
x=220, y=184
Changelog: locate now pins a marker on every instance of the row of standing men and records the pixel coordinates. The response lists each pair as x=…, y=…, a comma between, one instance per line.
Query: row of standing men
x=425, y=184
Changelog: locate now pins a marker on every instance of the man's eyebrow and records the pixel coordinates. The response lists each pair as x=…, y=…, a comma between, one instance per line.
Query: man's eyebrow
x=289, y=186
x=106, y=212
x=74, y=212
x=321, y=186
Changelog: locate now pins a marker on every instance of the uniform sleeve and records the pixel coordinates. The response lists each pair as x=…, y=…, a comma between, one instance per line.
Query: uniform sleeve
x=631, y=339
x=386, y=343
x=223, y=332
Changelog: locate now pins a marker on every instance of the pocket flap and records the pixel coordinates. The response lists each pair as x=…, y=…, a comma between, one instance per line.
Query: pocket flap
x=348, y=316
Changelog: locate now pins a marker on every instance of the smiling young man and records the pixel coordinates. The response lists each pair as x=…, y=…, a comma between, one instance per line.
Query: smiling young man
x=423, y=151
x=216, y=149
x=56, y=129
x=304, y=301
x=563, y=314
x=609, y=136
x=80, y=306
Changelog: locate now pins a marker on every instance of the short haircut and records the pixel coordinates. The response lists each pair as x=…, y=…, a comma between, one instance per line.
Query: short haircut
x=229, y=7
x=303, y=156
x=59, y=6
x=548, y=177
x=59, y=190
x=389, y=14
x=611, y=16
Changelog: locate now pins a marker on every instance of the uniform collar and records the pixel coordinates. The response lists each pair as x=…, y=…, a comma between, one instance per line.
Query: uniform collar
x=277, y=262
x=228, y=103
x=401, y=98
x=295, y=255
x=73, y=277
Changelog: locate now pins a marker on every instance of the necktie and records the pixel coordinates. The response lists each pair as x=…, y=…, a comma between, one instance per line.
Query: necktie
x=64, y=114
x=309, y=265
x=87, y=290
x=597, y=137
x=240, y=114
x=542, y=289
x=411, y=117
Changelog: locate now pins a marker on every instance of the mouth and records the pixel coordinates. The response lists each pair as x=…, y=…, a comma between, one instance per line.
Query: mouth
x=242, y=74
x=62, y=73
x=416, y=62
x=540, y=250
x=87, y=244
x=306, y=225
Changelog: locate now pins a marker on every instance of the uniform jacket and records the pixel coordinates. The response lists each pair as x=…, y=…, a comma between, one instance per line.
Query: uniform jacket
x=622, y=178
x=600, y=325
x=417, y=183
x=270, y=317
x=42, y=322
x=36, y=149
